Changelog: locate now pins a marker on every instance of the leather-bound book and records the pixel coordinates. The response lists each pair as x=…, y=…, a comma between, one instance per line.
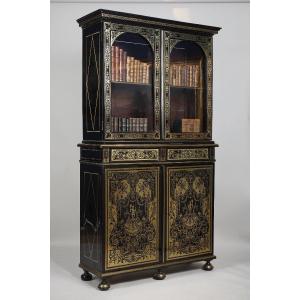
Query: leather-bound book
x=190, y=125
x=128, y=68
x=117, y=61
x=124, y=73
x=113, y=64
x=121, y=64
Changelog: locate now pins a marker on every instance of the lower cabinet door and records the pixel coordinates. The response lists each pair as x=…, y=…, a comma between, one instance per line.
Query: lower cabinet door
x=189, y=211
x=132, y=217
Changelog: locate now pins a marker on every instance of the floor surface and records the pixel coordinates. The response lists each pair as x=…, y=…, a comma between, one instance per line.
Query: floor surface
x=228, y=281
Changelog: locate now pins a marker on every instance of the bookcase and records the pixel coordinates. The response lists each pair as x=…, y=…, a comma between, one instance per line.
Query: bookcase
x=147, y=156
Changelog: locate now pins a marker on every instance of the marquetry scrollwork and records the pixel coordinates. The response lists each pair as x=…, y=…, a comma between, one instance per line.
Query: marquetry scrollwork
x=189, y=212
x=205, y=42
x=134, y=154
x=111, y=32
x=132, y=230
x=187, y=154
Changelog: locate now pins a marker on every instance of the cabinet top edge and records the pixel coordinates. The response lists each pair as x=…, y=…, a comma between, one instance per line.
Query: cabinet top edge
x=144, y=145
x=103, y=14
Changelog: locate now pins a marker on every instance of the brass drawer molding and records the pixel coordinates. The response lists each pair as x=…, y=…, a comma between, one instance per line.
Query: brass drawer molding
x=186, y=154
x=134, y=154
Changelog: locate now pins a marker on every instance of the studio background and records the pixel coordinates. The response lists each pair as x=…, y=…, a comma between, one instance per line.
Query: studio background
x=230, y=278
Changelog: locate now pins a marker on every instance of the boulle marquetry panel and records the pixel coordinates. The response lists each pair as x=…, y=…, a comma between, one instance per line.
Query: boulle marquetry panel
x=147, y=155
x=189, y=211
x=132, y=213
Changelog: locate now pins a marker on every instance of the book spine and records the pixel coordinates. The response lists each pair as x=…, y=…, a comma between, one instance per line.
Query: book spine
x=113, y=64
x=120, y=124
x=134, y=124
x=117, y=64
x=128, y=68
x=135, y=70
x=124, y=66
x=191, y=75
x=197, y=76
x=127, y=124
x=137, y=125
x=130, y=125
x=141, y=124
x=123, y=124
x=147, y=73
x=146, y=125
x=121, y=64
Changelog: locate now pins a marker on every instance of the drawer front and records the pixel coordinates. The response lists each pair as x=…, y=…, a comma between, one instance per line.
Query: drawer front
x=188, y=154
x=189, y=211
x=124, y=155
x=132, y=217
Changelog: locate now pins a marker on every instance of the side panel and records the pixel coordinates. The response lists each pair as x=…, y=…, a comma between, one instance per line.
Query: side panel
x=91, y=83
x=132, y=236
x=90, y=216
x=189, y=210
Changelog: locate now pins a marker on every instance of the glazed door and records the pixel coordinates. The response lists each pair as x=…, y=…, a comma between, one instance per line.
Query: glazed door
x=187, y=86
x=132, y=217
x=189, y=212
x=131, y=82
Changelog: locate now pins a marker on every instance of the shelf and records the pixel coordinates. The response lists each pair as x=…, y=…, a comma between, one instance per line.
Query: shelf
x=185, y=87
x=131, y=83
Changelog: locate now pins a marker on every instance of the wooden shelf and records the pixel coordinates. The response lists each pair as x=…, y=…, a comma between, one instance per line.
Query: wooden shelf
x=131, y=83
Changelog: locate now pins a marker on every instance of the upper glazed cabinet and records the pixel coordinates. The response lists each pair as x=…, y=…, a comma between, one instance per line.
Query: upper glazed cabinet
x=147, y=82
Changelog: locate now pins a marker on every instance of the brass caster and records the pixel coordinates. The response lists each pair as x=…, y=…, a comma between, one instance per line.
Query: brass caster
x=104, y=285
x=159, y=275
x=86, y=276
x=208, y=266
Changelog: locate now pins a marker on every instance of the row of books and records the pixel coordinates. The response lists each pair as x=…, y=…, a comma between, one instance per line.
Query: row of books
x=187, y=75
x=128, y=69
x=120, y=124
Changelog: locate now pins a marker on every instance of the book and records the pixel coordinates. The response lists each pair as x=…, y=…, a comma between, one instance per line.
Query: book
x=121, y=64
x=113, y=64
x=190, y=125
x=128, y=68
x=117, y=64
x=124, y=73
x=119, y=124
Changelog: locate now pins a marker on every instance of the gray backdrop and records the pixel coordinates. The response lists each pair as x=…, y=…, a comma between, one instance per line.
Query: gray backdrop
x=230, y=131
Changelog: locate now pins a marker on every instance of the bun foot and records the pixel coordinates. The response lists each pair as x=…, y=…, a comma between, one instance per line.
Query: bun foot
x=159, y=275
x=208, y=266
x=104, y=285
x=86, y=276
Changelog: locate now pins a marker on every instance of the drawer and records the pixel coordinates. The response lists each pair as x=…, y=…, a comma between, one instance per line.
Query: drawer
x=142, y=154
x=188, y=154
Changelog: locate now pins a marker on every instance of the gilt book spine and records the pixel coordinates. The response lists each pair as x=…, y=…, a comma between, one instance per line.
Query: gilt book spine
x=117, y=62
x=113, y=64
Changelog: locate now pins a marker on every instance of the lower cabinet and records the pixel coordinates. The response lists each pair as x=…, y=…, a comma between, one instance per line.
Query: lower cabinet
x=189, y=211
x=138, y=217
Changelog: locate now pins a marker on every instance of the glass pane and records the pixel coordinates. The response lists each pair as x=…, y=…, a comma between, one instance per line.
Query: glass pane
x=131, y=84
x=187, y=88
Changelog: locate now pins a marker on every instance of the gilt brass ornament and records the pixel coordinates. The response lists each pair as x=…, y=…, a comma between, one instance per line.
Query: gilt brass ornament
x=189, y=212
x=132, y=235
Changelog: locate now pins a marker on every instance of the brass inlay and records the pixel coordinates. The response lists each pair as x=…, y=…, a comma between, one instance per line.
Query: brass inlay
x=134, y=154
x=152, y=22
x=186, y=154
x=132, y=217
x=205, y=42
x=93, y=111
x=111, y=31
x=189, y=211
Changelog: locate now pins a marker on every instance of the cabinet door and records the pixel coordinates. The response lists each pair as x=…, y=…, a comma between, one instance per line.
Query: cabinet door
x=132, y=82
x=187, y=86
x=189, y=211
x=132, y=217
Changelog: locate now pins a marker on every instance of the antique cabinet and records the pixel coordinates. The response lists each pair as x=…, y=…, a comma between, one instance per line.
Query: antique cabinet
x=147, y=155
